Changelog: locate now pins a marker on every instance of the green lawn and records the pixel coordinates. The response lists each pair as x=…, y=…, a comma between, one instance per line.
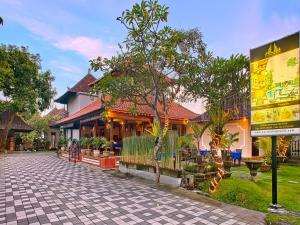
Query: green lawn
x=257, y=196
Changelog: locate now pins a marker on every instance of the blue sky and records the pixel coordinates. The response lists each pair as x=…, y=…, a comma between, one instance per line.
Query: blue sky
x=67, y=33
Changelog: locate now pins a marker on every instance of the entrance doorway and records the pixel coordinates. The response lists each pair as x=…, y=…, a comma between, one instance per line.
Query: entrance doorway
x=255, y=147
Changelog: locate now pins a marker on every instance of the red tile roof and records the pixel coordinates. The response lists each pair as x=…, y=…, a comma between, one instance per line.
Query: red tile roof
x=94, y=106
x=176, y=112
x=83, y=84
x=80, y=86
x=57, y=114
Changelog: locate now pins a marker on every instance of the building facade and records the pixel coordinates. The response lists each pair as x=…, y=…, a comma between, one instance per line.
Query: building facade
x=84, y=116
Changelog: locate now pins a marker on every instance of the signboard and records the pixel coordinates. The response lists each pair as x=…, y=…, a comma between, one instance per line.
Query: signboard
x=275, y=96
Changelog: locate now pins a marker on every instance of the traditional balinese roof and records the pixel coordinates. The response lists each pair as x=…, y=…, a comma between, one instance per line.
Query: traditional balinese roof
x=176, y=111
x=57, y=114
x=18, y=124
x=81, y=86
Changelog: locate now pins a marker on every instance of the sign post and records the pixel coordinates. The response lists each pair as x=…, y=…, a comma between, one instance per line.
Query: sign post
x=274, y=172
x=275, y=94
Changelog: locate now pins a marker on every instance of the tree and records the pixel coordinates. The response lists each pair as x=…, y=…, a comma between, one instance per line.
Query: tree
x=152, y=63
x=40, y=126
x=224, y=85
x=221, y=80
x=25, y=88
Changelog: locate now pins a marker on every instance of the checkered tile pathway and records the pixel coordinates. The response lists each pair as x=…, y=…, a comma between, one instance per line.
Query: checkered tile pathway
x=39, y=188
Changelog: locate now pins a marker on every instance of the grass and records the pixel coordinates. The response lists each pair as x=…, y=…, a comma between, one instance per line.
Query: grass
x=257, y=196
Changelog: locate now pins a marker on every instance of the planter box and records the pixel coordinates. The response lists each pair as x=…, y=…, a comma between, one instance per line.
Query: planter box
x=109, y=162
x=152, y=169
x=91, y=161
x=124, y=168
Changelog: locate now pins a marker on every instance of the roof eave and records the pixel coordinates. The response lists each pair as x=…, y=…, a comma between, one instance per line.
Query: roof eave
x=64, y=98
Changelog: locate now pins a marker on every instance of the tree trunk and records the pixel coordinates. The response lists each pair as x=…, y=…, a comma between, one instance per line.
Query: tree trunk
x=8, y=125
x=157, y=148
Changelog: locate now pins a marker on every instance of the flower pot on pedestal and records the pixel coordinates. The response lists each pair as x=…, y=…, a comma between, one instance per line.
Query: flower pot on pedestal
x=253, y=166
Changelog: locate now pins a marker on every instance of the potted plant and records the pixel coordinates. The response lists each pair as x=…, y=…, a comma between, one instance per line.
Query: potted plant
x=106, y=145
x=227, y=140
x=89, y=143
x=97, y=142
x=83, y=144
x=62, y=142
x=265, y=167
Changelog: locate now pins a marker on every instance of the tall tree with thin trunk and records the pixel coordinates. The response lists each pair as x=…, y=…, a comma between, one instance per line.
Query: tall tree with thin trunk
x=23, y=86
x=151, y=65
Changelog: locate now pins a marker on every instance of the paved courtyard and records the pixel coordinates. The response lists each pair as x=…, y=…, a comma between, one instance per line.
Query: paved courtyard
x=39, y=188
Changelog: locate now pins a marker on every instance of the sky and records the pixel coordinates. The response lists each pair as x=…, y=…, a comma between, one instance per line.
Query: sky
x=68, y=33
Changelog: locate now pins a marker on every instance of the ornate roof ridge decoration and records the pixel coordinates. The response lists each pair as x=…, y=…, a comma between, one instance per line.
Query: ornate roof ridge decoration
x=272, y=50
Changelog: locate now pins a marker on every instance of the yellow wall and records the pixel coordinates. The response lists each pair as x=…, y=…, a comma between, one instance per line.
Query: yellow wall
x=243, y=127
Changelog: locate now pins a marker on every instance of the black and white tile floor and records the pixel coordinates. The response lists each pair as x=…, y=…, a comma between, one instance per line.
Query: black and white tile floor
x=38, y=188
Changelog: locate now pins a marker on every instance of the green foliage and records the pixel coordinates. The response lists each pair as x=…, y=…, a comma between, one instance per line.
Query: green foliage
x=152, y=63
x=40, y=144
x=211, y=165
x=105, y=143
x=96, y=142
x=228, y=139
x=156, y=129
x=192, y=168
x=63, y=141
x=139, y=149
x=273, y=218
x=84, y=142
x=22, y=82
x=218, y=118
x=258, y=195
x=221, y=80
x=185, y=141
x=198, y=131
x=40, y=126
x=243, y=193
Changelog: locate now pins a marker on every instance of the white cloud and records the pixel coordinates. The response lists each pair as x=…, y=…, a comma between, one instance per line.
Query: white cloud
x=68, y=70
x=86, y=46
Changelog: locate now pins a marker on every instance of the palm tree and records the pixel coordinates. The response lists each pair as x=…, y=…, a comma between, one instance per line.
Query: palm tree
x=198, y=132
x=218, y=119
